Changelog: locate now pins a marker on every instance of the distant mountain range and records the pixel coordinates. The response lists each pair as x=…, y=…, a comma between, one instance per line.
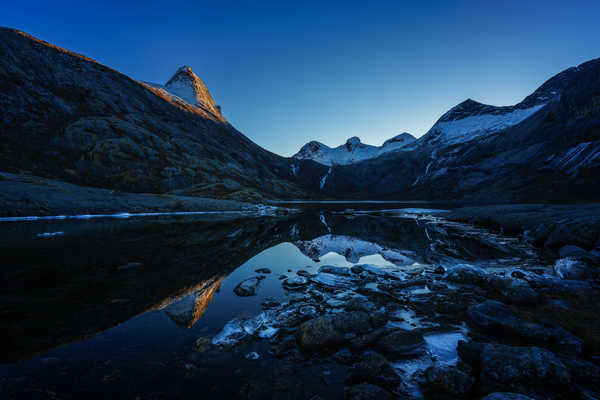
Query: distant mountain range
x=65, y=116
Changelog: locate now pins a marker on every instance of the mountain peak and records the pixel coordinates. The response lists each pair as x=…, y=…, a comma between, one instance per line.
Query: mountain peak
x=186, y=85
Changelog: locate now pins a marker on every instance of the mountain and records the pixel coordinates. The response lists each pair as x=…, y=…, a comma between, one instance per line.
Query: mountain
x=186, y=86
x=65, y=116
x=545, y=148
x=351, y=152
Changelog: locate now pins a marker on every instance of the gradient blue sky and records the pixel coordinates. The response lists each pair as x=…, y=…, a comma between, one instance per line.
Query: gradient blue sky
x=289, y=72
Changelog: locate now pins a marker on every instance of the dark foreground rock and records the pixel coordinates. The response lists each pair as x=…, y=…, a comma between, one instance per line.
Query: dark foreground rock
x=449, y=379
x=508, y=368
x=331, y=329
x=373, y=368
x=366, y=392
x=506, y=396
x=497, y=320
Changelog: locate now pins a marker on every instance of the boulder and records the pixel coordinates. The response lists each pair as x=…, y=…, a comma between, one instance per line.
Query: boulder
x=449, y=379
x=247, y=287
x=466, y=274
x=512, y=290
x=497, y=320
x=572, y=268
x=373, y=368
x=331, y=329
x=366, y=392
x=263, y=271
x=400, y=343
x=508, y=368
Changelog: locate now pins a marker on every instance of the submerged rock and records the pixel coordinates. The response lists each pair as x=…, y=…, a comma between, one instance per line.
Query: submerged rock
x=247, y=287
x=263, y=271
x=331, y=329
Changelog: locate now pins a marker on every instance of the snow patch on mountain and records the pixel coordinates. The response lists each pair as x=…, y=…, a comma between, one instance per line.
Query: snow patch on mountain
x=324, y=178
x=459, y=130
x=352, y=151
x=186, y=86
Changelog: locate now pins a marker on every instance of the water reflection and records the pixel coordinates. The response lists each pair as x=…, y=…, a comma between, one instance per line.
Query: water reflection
x=143, y=291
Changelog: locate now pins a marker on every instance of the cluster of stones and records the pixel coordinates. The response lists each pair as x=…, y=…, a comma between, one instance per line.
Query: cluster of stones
x=350, y=316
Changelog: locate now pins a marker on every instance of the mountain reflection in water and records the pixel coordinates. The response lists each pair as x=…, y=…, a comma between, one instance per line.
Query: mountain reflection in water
x=129, y=275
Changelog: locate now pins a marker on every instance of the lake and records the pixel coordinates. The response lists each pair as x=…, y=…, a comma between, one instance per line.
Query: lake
x=151, y=306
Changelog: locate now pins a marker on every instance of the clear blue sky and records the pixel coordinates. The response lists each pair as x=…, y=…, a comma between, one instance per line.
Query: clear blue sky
x=289, y=72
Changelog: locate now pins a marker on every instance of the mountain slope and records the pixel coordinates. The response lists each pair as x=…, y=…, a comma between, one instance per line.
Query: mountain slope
x=68, y=117
x=352, y=151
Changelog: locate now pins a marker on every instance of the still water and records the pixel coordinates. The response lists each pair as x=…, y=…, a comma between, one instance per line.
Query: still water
x=146, y=307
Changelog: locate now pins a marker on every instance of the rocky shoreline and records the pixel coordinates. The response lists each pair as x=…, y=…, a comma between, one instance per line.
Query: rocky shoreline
x=27, y=195
x=436, y=331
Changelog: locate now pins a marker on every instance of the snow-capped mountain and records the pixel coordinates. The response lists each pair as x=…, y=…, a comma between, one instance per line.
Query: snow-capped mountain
x=352, y=151
x=470, y=119
x=546, y=147
x=186, y=86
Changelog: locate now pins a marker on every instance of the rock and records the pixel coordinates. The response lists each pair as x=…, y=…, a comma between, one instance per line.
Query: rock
x=263, y=271
x=331, y=269
x=400, y=343
x=571, y=268
x=252, y=356
x=439, y=270
x=282, y=277
x=360, y=304
x=374, y=369
x=130, y=265
x=331, y=282
x=504, y=367
x=582, y=371
x=331, y=329
x=506, y=396
x=307, y=311
x=366, y=392
x=295, y=283
x=270, y=302
x=343, y=356
x=285, y=344
x=516, y=291
x=449, y=379
x=573, y=252
x=497, y=320
x=466, y=274
x=247, y=287
x=365, y=340
x=303, y=273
